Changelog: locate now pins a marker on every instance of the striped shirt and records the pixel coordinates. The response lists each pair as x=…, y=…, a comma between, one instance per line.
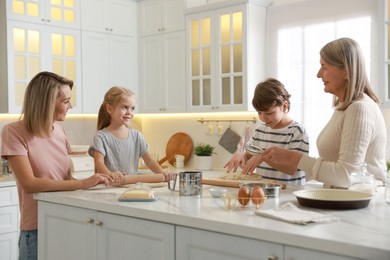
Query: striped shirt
x=293, y=137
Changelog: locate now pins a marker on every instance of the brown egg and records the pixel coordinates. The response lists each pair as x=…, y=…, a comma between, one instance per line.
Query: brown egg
x=243, y=196
x=257, y=196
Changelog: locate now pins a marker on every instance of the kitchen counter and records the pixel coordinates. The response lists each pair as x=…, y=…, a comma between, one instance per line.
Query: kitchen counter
x=362, y=233
x=7, y=180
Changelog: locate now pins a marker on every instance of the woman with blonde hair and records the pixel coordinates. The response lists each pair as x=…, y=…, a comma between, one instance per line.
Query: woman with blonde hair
x=356, y=132
x=37, y=151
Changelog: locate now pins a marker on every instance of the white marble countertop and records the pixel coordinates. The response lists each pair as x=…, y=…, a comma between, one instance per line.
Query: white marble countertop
x=362, y=233
x=7, y=180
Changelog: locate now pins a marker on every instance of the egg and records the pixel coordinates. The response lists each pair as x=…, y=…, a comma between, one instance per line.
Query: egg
x=243, y=196
x=257, y=196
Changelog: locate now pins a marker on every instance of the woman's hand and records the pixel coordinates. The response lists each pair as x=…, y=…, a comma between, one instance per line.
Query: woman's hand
x=251, y=164
x=282, y=159
x=117, y=177
x=94, y=180
x=238, y=160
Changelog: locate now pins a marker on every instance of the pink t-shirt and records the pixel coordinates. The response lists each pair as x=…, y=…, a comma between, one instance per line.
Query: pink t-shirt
x=48, y=158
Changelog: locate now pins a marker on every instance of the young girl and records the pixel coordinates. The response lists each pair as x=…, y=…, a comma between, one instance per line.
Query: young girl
x=116, y=148
x=272, y=102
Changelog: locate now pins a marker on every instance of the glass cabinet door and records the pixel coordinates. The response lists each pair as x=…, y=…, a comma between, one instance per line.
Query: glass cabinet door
x=201, y=61
x=25, y=60
x=64, y=60
x=35, y=48
x=216, y=43
x=63, y=13
x=230, y=58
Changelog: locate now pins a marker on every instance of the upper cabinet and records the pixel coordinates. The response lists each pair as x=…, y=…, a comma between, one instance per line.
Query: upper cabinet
x=108, y=60
x=109, y=16
x=62, y=13
x=28, y=48
x=162, y=60
x=225, y=62
x=162, y=73
x=161, y=16
x=109, y=43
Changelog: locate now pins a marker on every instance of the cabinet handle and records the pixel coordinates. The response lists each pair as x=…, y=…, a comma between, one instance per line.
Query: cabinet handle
x=272, y=257
x=48, y=20
x=162, y=29
x=90, y=220
x=99, y=223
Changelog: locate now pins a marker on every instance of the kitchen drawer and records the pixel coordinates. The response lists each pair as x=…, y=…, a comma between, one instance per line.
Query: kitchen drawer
x=8, y=196
x=8, y=219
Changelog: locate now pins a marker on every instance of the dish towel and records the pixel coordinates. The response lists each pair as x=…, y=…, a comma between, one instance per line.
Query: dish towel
x=290, y=213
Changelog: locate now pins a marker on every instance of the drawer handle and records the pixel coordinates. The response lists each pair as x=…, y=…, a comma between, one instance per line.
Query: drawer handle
x=272, y=257
x=90, y=220
x=99, y=223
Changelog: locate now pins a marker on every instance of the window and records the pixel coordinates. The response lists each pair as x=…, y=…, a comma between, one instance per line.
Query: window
x=298, y=57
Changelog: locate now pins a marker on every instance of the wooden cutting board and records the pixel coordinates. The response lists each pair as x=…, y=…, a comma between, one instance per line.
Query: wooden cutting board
x=179, y=143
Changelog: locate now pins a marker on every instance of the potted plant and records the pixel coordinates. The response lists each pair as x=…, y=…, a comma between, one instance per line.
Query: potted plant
x=203, y=156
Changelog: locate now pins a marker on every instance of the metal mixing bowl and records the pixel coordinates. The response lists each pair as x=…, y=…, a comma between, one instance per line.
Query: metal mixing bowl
x=271, y=190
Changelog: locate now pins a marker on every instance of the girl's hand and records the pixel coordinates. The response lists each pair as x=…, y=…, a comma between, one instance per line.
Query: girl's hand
x=117, y=177
x=252, y=163
x=168, y=176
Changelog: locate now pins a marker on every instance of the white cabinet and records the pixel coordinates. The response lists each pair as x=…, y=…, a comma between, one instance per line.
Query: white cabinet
x=75, y=233
x=109, y=16
x=197, y=244
x=28, y=48
x=159, y=16
x=9, y=223
x=296, y=253
x=54, y=13
x=225, y=61
x=108, y=60
x=162, y=56
x=162, y=73
x=109, y=49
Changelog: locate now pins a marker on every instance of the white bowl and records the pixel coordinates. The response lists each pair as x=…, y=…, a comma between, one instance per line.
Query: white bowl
x=217, y=193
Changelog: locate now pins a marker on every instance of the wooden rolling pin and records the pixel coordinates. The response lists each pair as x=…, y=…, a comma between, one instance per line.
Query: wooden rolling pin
x=233, y=184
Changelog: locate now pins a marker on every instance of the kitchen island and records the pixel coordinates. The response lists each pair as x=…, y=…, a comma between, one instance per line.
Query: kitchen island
x=93, y=224
x=9, y=217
